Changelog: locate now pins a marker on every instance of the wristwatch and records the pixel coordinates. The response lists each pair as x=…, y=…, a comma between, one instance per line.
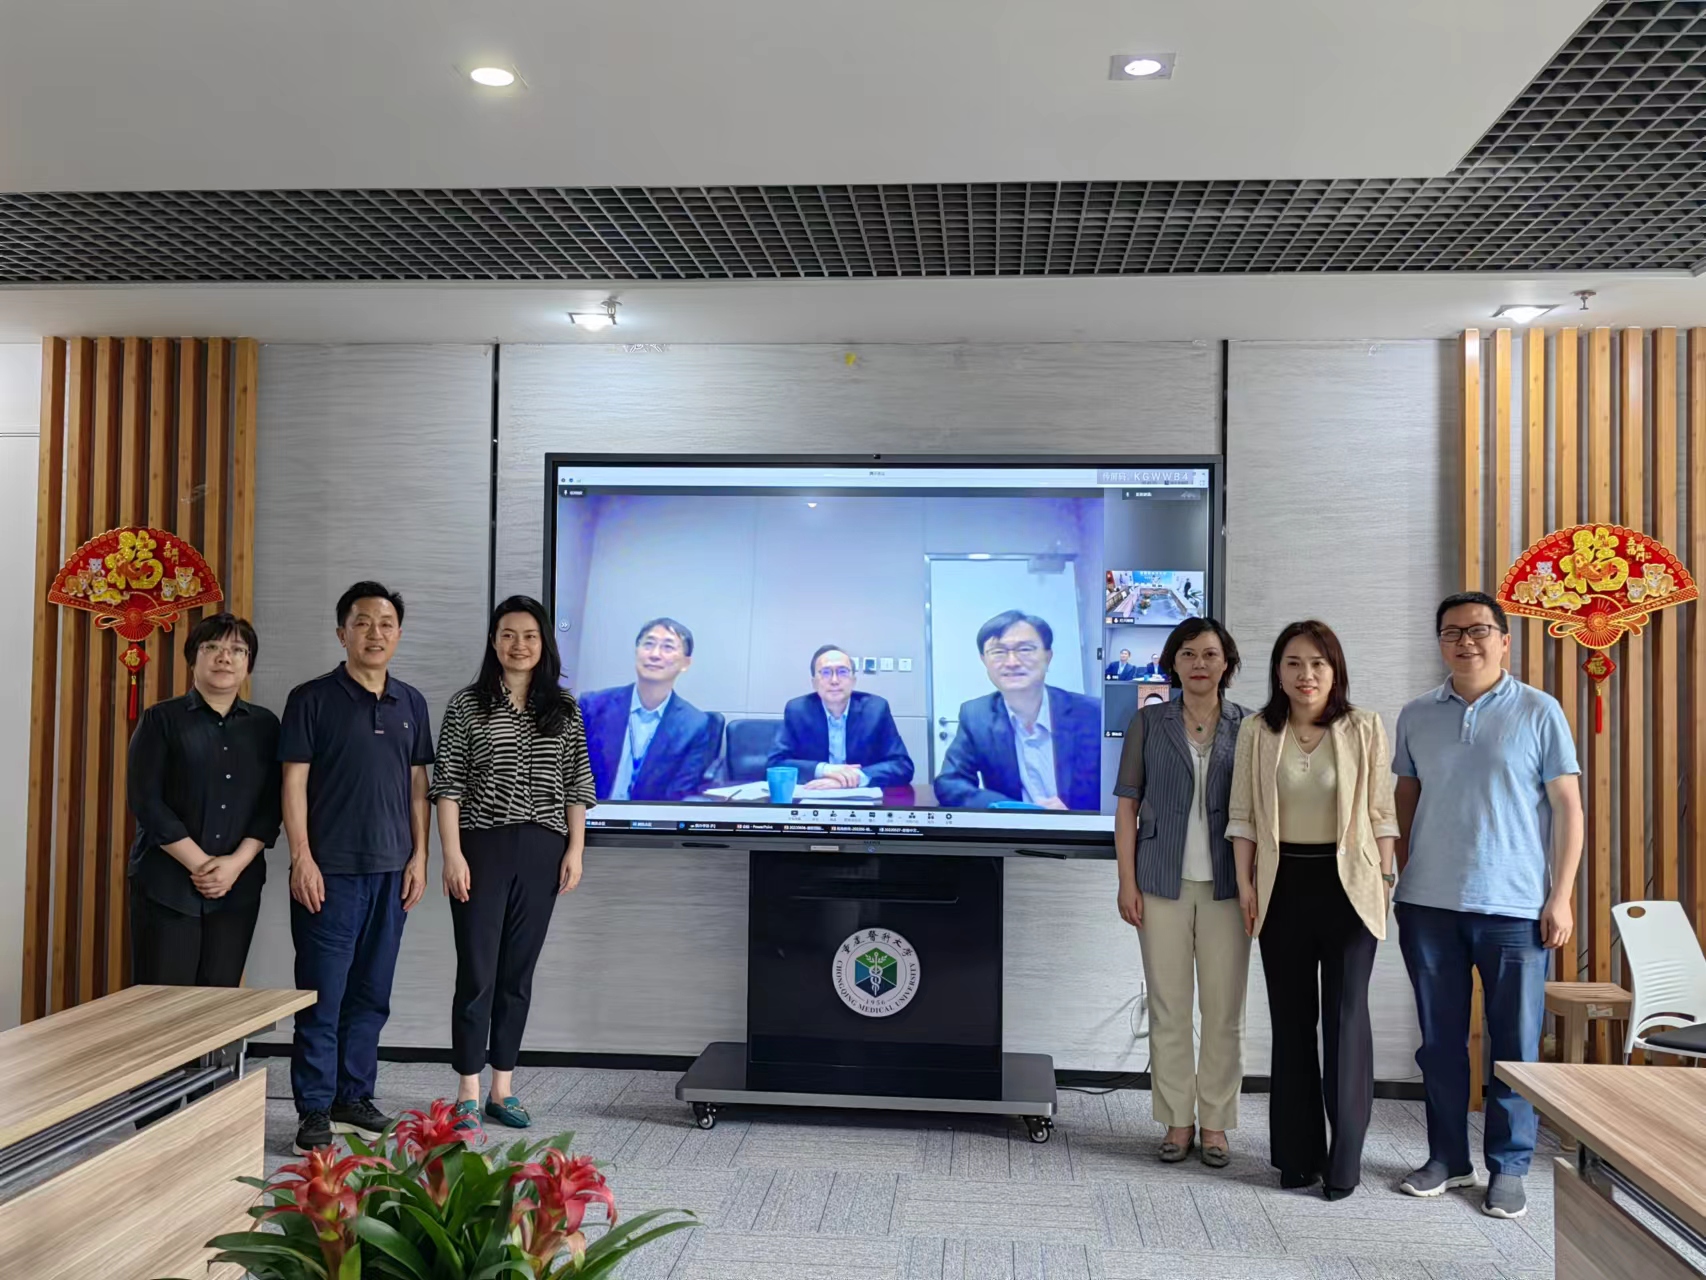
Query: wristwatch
x=1390, y=877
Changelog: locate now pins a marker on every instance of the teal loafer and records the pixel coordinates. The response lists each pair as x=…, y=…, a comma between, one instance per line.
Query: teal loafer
x=509, y=1112
x=467, y=1113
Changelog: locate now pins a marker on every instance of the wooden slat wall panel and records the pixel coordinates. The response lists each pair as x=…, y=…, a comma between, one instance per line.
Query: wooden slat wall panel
x=131, y=505
x=217, y=419
x=1567, y=417
x=1534, y=488
x=162, y=467
x=1599, y=761
x=134, y=430
x=73, y=685
x=1617, y=454
x=44, y=685
x=1695, y=885
x=186, y=522
x=1667, y=692
x=245, y=405
x=1633, y=718
x=97, y=759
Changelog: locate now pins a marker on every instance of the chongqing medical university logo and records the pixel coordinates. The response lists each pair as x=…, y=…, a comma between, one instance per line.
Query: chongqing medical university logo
x=875, y=972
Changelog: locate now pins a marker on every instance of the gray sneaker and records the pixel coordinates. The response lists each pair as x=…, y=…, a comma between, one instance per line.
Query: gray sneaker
x=1505, y=1197
x=1433, y=1179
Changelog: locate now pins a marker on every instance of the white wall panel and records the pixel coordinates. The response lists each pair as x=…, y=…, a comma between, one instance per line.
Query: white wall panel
x=1340, y=471
x=373, y=462
x=20, y=429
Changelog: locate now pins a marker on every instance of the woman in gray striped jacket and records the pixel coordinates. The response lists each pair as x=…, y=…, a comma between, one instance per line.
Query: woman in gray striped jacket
x=1179, y=889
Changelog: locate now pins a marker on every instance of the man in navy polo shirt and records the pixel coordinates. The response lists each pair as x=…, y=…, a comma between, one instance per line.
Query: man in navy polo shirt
x=355, y=745
x=1490, y=815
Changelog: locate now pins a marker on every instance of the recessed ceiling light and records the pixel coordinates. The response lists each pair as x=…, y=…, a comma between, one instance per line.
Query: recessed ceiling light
x=492, y=77
x=1523, y=313
x=593, y=321
x=1141, y=66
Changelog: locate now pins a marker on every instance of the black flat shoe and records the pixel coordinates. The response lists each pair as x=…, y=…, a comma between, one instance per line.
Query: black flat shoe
x=1297, y=1181
x=1335, y=1193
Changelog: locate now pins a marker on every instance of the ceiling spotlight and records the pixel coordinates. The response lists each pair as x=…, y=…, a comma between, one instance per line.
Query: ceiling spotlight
x=593, y=321
x=492, y=77
x=1140, y=66
x=1523, y=313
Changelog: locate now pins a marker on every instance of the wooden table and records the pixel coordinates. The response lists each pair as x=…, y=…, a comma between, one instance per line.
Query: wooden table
x=145, y=1205
x=98, y=1050
x=1641, y=1130
x=1575, y=1004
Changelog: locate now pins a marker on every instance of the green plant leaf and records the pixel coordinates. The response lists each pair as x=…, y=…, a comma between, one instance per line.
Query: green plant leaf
x=260, y=1184
x=448, y=1253
x=497, y=1237
x=351, y=1268
x=393, y=1244
x=608, y=1262
x=509, y=1267
x=612, y=1240
x=261, y=1259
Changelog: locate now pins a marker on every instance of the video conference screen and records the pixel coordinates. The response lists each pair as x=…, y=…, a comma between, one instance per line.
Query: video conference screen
x=847, y=654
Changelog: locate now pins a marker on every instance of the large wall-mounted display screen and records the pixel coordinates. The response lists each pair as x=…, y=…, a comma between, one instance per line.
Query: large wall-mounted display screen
x=850, y=653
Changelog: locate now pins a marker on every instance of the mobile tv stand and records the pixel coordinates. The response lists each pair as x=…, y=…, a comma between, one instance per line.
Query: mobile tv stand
x=874, y=983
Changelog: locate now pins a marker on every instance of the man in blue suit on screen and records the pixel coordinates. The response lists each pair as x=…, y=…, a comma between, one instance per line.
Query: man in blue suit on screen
x=646, y=741
x=837, y=737
x=1028, y=741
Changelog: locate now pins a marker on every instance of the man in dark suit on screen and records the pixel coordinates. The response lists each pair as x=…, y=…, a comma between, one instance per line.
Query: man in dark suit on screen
x=1123, y=668
x=1028, y=741
x=837, y=737
x=646, y=741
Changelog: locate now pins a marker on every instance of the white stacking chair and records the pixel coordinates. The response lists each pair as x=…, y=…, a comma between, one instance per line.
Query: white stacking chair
x=1664, y=960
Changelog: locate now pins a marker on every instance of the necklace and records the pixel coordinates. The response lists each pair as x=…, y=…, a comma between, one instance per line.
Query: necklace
x=1306, y=751
x=1198, y=730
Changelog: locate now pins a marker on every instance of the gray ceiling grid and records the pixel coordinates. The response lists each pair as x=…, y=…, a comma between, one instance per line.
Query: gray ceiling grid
x=1597, y=166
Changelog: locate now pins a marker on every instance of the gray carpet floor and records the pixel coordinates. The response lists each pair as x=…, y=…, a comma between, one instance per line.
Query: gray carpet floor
x=789, y=1195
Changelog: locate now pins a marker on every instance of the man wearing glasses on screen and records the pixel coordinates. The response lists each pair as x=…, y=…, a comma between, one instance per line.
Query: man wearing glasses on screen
x=646, y=741
x=837, y=737
x=1028, y=743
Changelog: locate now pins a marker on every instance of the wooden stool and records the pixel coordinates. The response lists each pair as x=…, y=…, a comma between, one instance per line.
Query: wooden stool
x=1575, y=1004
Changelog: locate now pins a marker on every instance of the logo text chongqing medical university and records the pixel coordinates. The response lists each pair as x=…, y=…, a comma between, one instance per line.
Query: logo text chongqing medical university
x=875, y=972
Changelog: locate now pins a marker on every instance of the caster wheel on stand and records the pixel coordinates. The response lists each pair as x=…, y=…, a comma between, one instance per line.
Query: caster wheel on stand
x=1039, y=1127
x=705, y=1115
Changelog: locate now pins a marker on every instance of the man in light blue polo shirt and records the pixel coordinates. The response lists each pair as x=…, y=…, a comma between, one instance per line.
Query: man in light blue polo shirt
x=1490, y=811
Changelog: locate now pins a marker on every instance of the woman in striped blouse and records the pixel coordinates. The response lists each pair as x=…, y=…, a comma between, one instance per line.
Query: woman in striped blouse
x=512, y=784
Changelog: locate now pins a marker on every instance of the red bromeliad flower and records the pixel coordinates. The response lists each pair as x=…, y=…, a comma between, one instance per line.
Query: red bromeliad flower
x=419, y=1133
x=559, y=1188
x=322, y=1194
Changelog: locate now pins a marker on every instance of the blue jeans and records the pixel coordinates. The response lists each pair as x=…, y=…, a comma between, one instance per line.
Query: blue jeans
x=1441, y=948
x=347, y=952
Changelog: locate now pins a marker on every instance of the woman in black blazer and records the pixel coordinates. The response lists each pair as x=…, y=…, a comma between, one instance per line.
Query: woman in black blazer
x=1179, y=889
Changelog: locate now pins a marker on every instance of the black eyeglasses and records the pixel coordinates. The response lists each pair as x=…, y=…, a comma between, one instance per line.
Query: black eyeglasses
x=1480, y=631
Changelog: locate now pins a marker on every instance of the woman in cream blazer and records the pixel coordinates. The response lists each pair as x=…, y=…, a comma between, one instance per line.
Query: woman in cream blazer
x=1313, y=827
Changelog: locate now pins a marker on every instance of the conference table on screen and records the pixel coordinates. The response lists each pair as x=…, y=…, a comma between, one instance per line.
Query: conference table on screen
x=910, y=797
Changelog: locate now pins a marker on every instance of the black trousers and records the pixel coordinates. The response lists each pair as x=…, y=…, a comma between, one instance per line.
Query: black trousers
x=1317, y=956
x=500, y=931
x=178, y=950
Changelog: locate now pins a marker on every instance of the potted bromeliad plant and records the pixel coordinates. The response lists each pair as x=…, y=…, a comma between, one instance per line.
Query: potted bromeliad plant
x=423, y=1205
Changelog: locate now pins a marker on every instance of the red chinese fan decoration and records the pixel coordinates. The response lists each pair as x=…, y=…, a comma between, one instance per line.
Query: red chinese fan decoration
x=135, y=580
x=1595, y=584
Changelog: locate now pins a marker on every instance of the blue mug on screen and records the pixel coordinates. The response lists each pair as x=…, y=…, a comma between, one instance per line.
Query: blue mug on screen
x=782, y=779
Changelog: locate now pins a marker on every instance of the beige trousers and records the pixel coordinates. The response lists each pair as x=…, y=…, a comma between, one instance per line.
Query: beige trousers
x=1195, y=954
